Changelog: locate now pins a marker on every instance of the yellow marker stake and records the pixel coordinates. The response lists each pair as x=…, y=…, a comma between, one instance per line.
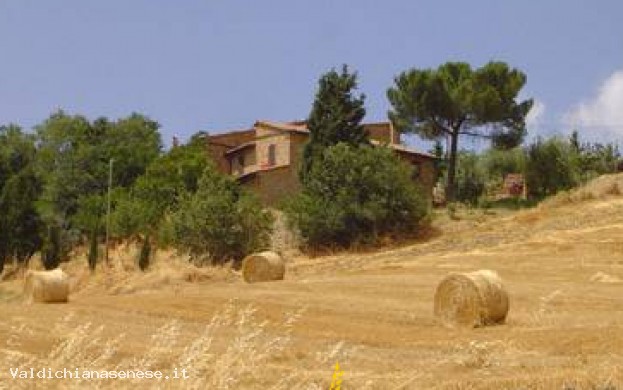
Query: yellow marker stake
x=336, y=383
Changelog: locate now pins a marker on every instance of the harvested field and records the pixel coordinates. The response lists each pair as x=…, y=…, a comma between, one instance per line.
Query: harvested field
x=561, y=264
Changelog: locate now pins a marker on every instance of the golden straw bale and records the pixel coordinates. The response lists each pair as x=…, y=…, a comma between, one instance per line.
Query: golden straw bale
x=46, y=286
x=262, y=267
x=471, y=299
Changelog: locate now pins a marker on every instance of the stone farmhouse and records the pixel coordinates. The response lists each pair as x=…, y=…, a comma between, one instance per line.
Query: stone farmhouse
x=266, y=157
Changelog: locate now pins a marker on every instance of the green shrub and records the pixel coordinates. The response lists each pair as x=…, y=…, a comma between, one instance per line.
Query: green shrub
x=507, y=203
x=551, y=166
x=220, y=222
x=594, y=159
x=499, y=163
x=355, y=194
x=470, y=178
x=132, y=216
x=145, y=207
x=20, y=224
x=165, y=235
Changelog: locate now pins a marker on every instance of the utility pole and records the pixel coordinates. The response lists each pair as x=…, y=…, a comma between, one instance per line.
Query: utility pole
x=108, y=209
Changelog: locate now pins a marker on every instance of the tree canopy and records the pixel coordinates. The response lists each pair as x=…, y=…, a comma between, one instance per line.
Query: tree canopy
x=158, y=191
x=220, y=221
x=355, y=195
x=352, y=192
x=19, y=189
x=335, y=116
x=455, y=100
x=73, y=158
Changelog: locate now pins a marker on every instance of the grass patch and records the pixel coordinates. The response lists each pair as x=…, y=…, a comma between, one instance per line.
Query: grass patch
x=508, y=204
x=7, y=295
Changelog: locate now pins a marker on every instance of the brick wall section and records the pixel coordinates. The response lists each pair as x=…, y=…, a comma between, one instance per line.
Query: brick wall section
x=271, y=183
x=427, y=177
x=247, y=157
x=426, y=173
x=250, y=182
x=297, y=145
x=218, y=144
x=217, y=154
x=382, y=132
x=277, y=184
x=281, y=143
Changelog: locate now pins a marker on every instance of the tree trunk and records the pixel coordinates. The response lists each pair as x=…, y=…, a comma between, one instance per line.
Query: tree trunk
x=451, y=185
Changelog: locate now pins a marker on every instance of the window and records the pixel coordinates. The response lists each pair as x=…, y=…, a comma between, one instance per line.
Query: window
x=241, y=160
x=272, y=154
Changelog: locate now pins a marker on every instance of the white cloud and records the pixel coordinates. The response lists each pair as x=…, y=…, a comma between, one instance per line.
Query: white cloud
x=535, y=116
x=603, y=113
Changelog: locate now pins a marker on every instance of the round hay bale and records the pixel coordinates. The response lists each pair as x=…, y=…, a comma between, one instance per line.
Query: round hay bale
x=46, y=286
x=262, y=267
x=471, y=299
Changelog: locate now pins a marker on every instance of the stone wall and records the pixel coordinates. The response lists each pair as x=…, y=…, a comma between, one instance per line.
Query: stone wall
x=279, y=141
x=382, y=132
x=218, y=144
x=243, y=161
x=425, y=171
x=277, y=184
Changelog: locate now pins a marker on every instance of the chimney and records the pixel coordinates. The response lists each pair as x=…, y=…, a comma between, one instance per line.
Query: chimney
x=176, y=141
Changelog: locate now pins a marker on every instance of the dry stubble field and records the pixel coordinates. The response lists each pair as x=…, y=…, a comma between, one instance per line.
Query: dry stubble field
x=561, y=263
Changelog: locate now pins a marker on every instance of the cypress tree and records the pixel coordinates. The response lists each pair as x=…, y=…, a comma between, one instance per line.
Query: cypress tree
x=335, y=117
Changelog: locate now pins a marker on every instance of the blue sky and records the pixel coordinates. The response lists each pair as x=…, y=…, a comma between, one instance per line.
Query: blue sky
x=215, y=65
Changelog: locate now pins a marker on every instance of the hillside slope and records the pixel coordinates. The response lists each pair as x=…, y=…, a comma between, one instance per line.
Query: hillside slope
x=562, y=263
